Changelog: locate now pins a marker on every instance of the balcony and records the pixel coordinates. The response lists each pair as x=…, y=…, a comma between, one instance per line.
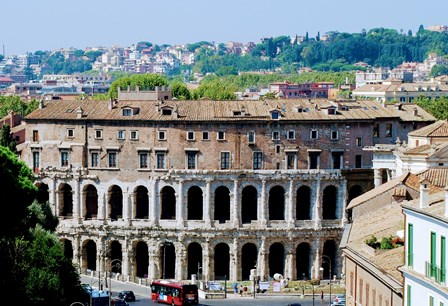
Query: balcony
x=435, y=273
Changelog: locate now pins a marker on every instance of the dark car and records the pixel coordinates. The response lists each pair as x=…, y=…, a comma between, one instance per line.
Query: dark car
x=295, y=304
x=128, y=296
x=119, y=302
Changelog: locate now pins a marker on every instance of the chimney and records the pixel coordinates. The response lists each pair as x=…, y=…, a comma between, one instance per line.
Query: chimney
x=446, y=201
x=424, y=193
x=41, y=104
x=110, y=104
x=415, y=112
x=79, y=112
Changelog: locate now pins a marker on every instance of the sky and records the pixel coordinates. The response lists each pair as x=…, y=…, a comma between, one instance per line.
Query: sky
x=31, y=25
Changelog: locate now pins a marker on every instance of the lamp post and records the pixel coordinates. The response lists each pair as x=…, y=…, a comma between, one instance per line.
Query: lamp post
x=165, y=244
x=328, y=261
x=114, y=263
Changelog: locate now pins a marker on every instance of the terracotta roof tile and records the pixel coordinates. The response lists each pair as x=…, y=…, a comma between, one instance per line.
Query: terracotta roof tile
x=437, y=129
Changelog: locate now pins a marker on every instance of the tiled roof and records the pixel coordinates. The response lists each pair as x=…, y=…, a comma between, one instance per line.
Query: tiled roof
x=436, y=206
x=426, y=150
x=436, y=176
x=405, y=87
x=207, y=110
x=437, y=129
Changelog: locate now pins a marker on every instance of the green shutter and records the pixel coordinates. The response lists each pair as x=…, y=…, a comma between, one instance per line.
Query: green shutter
x=431, y=301
x=408, y=297
x=433, y=254
x=410, y=245
x=442, y=259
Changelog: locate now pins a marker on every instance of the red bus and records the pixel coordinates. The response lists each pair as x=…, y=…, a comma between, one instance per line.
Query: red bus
x=174, y=293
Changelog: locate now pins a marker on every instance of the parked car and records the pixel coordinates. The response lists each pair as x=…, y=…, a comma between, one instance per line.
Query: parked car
x=128, y=296
x=294, y=304
x=119, y=302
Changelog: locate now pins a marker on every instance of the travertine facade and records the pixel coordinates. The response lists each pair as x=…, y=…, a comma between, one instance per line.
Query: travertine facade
x=167, y=189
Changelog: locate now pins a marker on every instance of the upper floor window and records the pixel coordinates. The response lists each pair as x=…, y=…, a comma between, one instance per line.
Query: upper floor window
x=64, y=158
x=251, y=137
x=35, y=135
x=98, y=134
x=120, y=134
x=112, y=159
x=291, y=134
x=358, y=141
x=70, y=133
x=376, y=130
x=275, y=115
x=127, y=112
x=388, y=130
x=134, y=135
x=191, y=159
x=221, y=135
x=258, y=160
x=161, y=135
x=36, y=161
x=94, y=159
x=143, y=159
x=314, y=134
x=160, y=159
x=334, y=135
x=291, y=161
x=225, y=160
x=190, y=135
x=205, y=135
x=275, y=135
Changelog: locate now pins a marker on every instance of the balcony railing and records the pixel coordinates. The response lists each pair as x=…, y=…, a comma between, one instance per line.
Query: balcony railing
x=435, y=273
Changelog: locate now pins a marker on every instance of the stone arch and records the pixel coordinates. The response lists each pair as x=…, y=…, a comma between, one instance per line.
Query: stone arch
x=222, y=204
x=354, y=191
x=222, y=261
x=194, y=259
x=68, y=249
x=168, y=258
x=89, y=255
x=141, y=202
x=276, y=259
x=303, y=203
x=329, y=200
x=194, y=203
x=249, y=255
x=65, y=200
x=330, y=251
x=141, y=259
x=90, y=199
x=168, y=203
x=42, y=192
x=277, y=203
x=249, y=204
x=303, y=261
x=116, y=257
x=115, y=202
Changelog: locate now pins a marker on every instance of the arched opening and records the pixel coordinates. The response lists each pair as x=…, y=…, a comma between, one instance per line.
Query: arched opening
x=141, y=202
x=249, y=204
x=277, y=203
x=115, y=202
x=194, y=203
x=330, y=198
x=249, y=254
x=355, y=191
x=42, y=193
x=303, y=260
x=141, y=259
x=194, y=257
x=222, y=204
x=89, y=255
x=276, y=259
x=65, y=200
x=68, y=249
x=168, y=203
x=329, y=254
x=168, y=258
x=115, y=256
x=222, y=261
x=303, y=203
x=90, y=201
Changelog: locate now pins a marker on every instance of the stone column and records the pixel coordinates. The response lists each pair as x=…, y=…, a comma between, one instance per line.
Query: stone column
x=263, y=255
x=236, y=212
x=52, y=199
x=77, y=201
x=235, y=262
x=207, y=211
x=102, y=204
x=77, y=253
x=341, y=201
x=153, y=216
x=127, y=207
x=207, y=262
x=317, y=207
x=290, y=263
x=290, y=217
x=316, y=249
x=180, y=205
x=181, y=265
x=154, y=268
x=263, y=205
x=377, y=178
x=125, y=264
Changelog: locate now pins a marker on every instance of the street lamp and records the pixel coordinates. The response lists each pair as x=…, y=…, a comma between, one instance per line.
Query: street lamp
x=164, y=245
x=328, y=261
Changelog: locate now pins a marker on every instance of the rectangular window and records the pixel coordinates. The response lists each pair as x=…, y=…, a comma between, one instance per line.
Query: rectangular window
x=291, y=161
x=334, y=135
x=408, y=296
x=94, y=159
x=134, y=135
x=367, y=294
x=251, y=137
x=359, y=142
x=161, y=135
x=275, y=135
x=314, y=158
x=358, y=161
x=98, y=134
x=360, y=290
x=70, y=133
x=205, y=135
x=431, y=301
x=35, y=136
x=120, y=134
x=258, y=160
x=442, y=259
x=161, y=164
x=191, y=160
x=314, y=134
x=376, y=130
x=291, y=135
x=388, y=130
x=36, y=161
x=225, y=160
x=190, y=135
x=337, y=158
x=410, y=245
x=143, y=160
x=433, y=254
x=221, y=135
x=127, y=112
x=112, y=159
x=64, y=159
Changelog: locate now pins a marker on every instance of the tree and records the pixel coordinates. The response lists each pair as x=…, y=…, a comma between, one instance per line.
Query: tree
x=421, y=29
x=143, y=81
x=409, y=32
x=180, y=91
x=318, y=36
x=437, y=70
x=438, y=108
x=6, y=138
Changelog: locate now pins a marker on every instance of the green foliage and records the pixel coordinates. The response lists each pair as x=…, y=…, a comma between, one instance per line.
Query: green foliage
x=386, y=243
x=438, y=70
x=180, y=90
x=144, y=81
x=93, y=55
x=214, y=89
x=1, y=57
x=436, y=107
x=372, y=242
x=15, y=104
x=40, y=214
x=55, y=63
x=6, y=138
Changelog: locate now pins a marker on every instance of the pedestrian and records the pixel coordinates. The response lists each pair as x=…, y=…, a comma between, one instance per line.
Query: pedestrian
x=235, y=287
x=241, y=290
x=322, y=296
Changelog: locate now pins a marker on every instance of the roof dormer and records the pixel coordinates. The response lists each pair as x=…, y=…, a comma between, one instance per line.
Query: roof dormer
x=275, y=114
x=129, y=110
